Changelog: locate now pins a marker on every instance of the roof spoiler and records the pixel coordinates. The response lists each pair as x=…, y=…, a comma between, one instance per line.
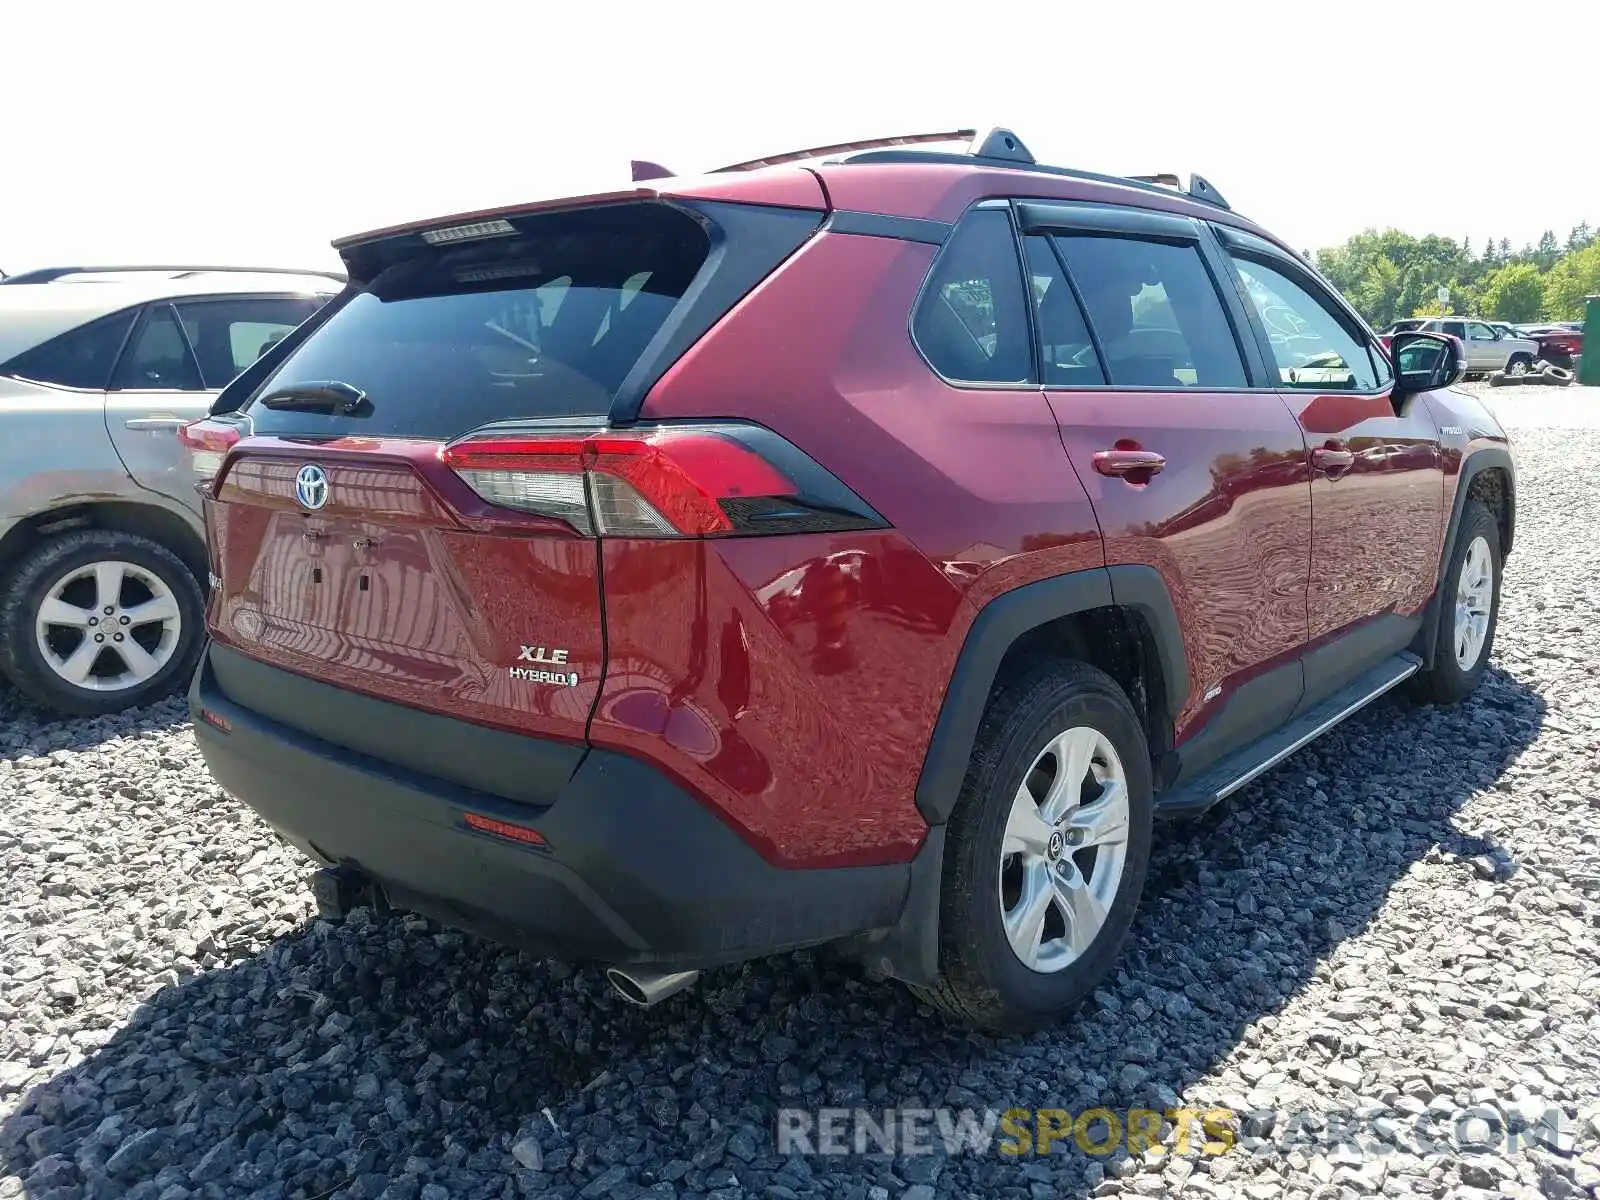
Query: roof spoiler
x=50, y=274
x=643, y=171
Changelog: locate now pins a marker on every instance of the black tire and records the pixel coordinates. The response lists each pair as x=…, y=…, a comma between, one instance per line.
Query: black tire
x=983, y=983
x=1447, y=682
x=1519, y=364
x=24, y=663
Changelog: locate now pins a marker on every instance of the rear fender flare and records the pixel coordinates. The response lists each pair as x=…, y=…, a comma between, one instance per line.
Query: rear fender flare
x=997, y=627
x=1484, y=459
x=910, y=949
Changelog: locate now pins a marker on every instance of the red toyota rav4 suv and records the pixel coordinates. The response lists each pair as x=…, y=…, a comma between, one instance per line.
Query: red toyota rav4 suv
x=859, y=551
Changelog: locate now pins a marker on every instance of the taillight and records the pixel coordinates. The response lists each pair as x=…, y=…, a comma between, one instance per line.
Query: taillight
x=208, y=442
x=662, y=481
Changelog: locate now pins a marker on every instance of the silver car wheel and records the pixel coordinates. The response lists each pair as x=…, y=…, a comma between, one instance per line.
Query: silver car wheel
x=1474, y=603
x=108, y=626
x=1065, y=844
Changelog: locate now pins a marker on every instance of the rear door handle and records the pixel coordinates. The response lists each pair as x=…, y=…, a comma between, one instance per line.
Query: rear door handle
x=156, y=423
x=1128, y=462
x=1330, y=460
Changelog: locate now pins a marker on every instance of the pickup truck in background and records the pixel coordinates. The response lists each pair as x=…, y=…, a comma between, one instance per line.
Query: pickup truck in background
x=1488, y=349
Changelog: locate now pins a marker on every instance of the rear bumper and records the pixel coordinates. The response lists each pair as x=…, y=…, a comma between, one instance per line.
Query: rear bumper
x=634, y=869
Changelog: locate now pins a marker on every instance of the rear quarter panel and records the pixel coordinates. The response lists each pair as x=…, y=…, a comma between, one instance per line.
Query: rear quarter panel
x=790, y=683
x=849, y=643
x=54, y=450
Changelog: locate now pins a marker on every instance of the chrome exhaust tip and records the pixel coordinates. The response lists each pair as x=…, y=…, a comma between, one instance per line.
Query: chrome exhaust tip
x=644, y=987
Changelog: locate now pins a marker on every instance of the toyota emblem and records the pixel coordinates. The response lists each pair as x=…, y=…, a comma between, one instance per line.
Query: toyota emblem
x=311, y=486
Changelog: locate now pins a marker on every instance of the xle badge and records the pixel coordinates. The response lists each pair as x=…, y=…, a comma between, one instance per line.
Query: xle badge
x=543, y=654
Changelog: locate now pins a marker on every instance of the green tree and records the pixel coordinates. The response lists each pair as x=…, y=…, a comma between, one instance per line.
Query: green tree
x=1376, y=295
x=1514, y=293
x=1546, y=252
x=1389, y=274
x=1571, y=280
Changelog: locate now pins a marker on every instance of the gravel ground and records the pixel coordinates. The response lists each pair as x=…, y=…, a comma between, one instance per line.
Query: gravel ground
x=1396, y=926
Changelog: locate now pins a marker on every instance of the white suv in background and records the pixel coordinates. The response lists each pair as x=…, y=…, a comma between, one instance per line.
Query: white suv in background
x=102, y=547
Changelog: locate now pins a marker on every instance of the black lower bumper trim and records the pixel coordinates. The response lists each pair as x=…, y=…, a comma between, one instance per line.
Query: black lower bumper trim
x=634, y=871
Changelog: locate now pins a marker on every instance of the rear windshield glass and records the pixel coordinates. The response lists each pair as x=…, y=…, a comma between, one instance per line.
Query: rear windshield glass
x=543, y=323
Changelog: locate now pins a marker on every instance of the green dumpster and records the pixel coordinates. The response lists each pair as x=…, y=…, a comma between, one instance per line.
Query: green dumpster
x=1589, y=364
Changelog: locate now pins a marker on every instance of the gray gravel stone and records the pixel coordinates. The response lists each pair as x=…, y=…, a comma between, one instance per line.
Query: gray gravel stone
x=1400, y=920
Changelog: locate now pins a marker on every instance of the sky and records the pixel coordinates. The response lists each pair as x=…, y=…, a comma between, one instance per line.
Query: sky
x=166, y=131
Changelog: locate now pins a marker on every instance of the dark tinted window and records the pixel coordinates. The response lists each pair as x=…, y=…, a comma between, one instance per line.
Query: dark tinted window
x=1155, y=311
x=1067, y=352
x=1454, y=328
x=158, y=356
x=229, y=335
x=547, y=322
x=972, y=321
x=80, y=359
x=1311, y=346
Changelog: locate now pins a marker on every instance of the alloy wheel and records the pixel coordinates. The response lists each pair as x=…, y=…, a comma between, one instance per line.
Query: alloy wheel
x=1065, y=845
x=1474, y=600
x=107, y=626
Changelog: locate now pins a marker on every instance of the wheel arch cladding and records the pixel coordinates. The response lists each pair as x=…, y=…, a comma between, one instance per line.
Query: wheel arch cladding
x=121, y=516
x=1488, y=476
x=1021, y=621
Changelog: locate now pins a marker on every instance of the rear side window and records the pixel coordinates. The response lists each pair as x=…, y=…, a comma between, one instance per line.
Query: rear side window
x=971, y=323
x=1067, y=355
x=1155, y=312
x=229, y=335
x=546, y=322
x=81, y=358
x=159, y=358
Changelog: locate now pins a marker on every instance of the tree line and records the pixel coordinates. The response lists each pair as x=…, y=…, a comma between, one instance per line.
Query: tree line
x=1390, y=275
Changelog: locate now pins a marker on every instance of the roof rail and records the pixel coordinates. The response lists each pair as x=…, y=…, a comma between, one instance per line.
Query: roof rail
x=1199, y=188
x=1002, y=148
x=908, y=139
x=50, y=274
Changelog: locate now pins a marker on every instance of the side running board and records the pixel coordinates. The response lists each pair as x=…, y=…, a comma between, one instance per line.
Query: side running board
x=1239, y=768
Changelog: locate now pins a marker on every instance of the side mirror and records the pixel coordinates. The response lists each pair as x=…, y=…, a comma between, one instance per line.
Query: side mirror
x=1425, y=362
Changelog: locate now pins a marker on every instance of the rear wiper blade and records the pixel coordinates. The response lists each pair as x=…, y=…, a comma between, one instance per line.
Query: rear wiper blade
x=325, y=395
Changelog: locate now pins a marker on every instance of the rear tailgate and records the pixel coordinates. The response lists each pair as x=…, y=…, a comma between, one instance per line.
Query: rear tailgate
x=347, y=550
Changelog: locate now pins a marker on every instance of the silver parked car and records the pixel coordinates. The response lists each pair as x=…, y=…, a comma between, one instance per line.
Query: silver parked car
x=102, y=546
x=1489, y=348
